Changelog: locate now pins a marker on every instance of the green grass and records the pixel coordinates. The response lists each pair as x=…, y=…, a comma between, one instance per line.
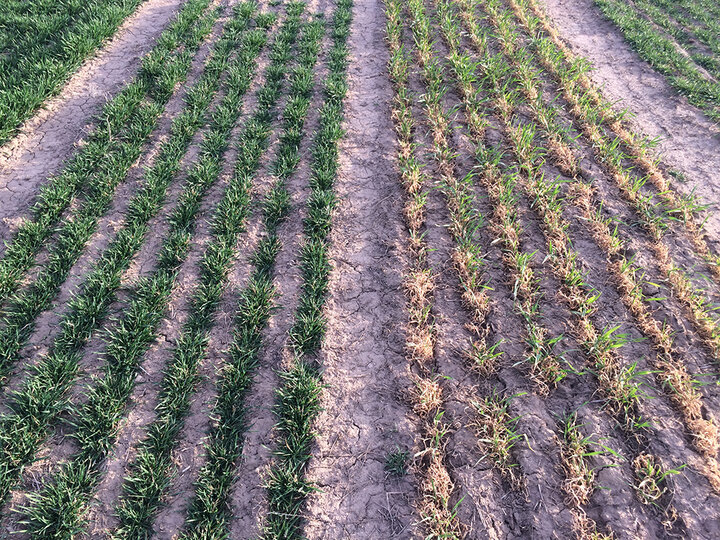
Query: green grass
x=57, y=510
x=700, y=10
x=209, y=513
x=298, y=398
x=149, y=474
x=43, y=43
x=689, y=28
x=111, y=149
x=41, y=398
x=396, y=462
x=25, y=306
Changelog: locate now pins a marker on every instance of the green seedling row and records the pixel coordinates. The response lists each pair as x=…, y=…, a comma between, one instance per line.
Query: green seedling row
x=43, y=47
x=27, y=304
x=119, y=134
x=150, y=473
x=209, y=513
x=298, y=397
x=60, y=507
x=41, y=398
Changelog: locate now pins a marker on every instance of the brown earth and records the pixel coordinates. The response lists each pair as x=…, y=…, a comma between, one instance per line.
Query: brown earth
x=364, y=415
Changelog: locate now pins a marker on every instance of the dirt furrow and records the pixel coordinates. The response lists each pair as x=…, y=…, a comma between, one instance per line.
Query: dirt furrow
x=365, y=418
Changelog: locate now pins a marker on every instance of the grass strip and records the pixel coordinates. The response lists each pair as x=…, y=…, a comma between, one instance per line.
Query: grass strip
x=298, y=398
x=37, y=63
x=26, y=305
x=209, y=514
x=41, y=398
x=120, y=127
x=149, y=474
x=58, y=509
x=699, y=43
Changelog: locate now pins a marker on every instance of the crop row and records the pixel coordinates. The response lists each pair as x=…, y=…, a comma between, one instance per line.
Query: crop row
x=82, y=194
x=91, y=179
x=582, y=300
x=40, y=399
x=629, y=284
x=598, y=120
x=673, y=374
x=610, y=153
x=298, y=396
x=436, y=508
x=500, y=85
x=496, y=425
x=60, y=506
x=208, y=513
